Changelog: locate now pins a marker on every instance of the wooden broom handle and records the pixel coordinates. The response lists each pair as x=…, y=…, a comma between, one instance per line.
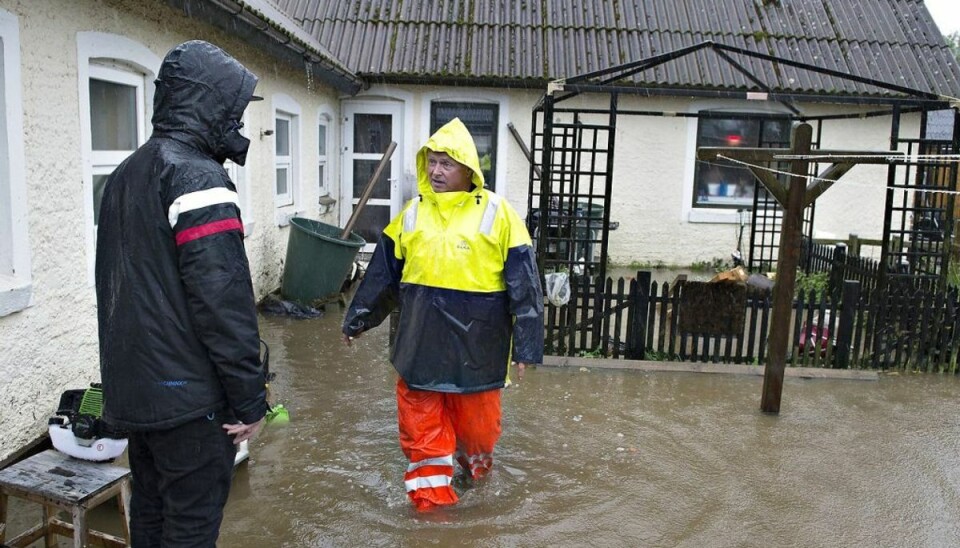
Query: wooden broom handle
x=368, y=190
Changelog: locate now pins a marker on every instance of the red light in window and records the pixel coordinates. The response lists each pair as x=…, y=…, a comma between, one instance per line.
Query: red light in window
x=734, y=140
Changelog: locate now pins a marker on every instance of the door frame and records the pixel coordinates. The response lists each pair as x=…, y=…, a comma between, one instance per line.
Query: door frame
x=398, y=169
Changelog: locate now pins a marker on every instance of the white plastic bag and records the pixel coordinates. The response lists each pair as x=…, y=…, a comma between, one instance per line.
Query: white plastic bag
x=558, y=288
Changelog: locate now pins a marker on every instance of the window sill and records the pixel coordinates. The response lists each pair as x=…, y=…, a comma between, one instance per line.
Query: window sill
x=715, y=216
x=285, y=213
x=15, y=295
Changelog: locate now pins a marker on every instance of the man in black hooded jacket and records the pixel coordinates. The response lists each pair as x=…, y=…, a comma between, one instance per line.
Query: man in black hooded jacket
x=179, y=344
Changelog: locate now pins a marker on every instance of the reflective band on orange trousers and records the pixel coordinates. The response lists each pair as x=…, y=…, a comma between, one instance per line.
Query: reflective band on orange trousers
x=435, y=428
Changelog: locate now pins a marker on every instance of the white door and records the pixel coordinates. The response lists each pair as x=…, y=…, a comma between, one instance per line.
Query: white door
x=368, y=128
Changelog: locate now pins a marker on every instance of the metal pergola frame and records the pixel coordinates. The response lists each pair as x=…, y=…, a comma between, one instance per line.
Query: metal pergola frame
x=571, y=174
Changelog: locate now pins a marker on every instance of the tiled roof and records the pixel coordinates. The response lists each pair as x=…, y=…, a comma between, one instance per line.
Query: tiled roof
x=271, y=31
x=517, y=42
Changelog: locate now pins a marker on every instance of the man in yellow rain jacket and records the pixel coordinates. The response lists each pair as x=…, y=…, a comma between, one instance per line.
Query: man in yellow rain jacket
x=459, y=263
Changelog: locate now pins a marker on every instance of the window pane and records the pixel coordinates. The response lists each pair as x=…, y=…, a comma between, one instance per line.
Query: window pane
x=776, y=133
x=372, y=133
x=282, y=183
x=940, y=125
x=724, y=184
x=283, y=137
x=728, y=132
x=481, y=120
x=322, y=141
x=113, y=115
x=370, y=222
x=320, y=178
x=99, y=181
x=363, y=171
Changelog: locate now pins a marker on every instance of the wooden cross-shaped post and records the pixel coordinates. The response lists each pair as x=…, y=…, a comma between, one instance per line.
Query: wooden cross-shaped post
x=793, y=197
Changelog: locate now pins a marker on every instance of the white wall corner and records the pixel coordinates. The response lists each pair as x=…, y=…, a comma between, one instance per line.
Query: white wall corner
x=16, y=289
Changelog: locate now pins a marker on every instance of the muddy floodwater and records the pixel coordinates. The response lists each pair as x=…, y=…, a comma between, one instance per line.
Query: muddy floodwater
x=604, y=458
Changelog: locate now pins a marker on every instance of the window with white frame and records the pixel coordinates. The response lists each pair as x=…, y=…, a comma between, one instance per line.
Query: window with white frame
x=482, y=121
x=721, y=184
x=283, y=138
x=117, y=120
x=286, y=135
x=114, y=79
x=322, y=147
x=15, y=275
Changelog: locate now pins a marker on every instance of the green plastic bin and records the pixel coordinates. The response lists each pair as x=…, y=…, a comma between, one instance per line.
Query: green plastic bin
x=318, y=261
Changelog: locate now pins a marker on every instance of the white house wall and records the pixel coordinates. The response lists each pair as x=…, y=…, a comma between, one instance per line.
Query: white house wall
x=654, y=169
x=51, y=345
x=658, y=223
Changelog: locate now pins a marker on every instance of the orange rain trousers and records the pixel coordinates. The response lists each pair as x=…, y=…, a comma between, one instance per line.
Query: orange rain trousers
x=438, y=427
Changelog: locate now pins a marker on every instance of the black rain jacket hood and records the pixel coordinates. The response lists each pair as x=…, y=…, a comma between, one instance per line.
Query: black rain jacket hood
x=200, y=98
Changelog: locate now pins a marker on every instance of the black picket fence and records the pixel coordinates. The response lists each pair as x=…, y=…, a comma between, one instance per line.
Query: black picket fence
x=840, y=264
x=904, y=328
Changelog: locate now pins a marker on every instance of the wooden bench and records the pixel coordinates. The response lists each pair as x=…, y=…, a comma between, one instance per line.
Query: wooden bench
x=59, y=482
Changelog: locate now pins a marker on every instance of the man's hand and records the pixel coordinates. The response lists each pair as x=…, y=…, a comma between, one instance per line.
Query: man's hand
x=243, y=432
x=520, y=367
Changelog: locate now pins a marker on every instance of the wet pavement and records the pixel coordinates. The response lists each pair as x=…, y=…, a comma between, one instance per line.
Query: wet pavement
x=604, y=458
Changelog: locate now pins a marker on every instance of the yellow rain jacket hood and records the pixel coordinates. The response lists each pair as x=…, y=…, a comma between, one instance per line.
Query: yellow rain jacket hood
x=456, y=141
x=461, y=267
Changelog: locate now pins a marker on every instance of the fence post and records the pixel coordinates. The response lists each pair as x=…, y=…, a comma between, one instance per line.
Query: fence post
x=854, y=245
x=848, y=315
x=837, y=270
x=896, y=245
x=640, y=304
x=596, y=325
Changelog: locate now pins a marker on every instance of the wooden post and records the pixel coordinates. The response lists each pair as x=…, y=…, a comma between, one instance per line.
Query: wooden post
x=637, y=348
x=848, y=315
x=793, y=197
x=789, y=258
x=854, y=246
x=524, y=149
x=838, y=270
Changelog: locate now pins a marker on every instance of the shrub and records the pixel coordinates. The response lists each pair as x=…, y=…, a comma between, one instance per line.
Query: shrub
x=817, y=281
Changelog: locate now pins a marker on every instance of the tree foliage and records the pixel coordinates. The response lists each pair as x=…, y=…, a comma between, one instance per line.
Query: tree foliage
x=953, y=42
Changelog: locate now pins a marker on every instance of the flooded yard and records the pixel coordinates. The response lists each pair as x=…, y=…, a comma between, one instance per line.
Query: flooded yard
x=604, y=458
